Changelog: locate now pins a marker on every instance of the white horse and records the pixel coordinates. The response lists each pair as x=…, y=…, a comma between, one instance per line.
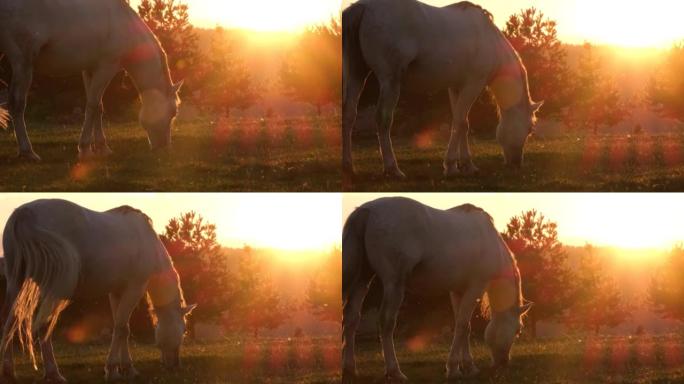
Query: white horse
x=57, y=251
x=414, y=47
x=407, y=244
x=99, y=39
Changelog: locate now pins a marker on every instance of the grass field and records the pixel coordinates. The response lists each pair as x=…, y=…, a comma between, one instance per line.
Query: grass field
x=641, y=359
x=271, y=361
x=568, y=164
x=256, y=155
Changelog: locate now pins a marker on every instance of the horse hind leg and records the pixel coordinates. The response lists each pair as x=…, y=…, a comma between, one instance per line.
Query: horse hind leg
x=393, y=297
x=22, y=77
x=353, y=85
x=52, y=373
x=387, y=104
x=7, y=374
x=351, y=318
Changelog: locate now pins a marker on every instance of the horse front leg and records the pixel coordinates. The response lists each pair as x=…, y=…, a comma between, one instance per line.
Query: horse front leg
x=387, y=104
x=119, y=363
x=93, y=140
x=389, y=310
x=22, y=76
x=458, y=160
x=460, y=361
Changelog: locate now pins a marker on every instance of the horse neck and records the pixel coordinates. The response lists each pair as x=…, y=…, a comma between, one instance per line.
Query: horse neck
x=504, y=291
x=147, y=63
x=164, y=289
x=509, y=81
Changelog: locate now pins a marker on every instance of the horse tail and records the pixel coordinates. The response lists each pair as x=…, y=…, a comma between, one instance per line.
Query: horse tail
x=353, y=64
x=354, y=256
x=46, y=269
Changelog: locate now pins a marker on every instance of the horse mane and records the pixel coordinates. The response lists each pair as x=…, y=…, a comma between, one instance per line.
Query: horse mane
x=127, y=210
x=470, y=208
x=469, y=5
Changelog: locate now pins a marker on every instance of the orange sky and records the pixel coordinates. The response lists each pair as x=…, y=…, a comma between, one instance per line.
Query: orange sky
x=632, y=23
x=280, y=221
x=261, y=15
x=619, y=220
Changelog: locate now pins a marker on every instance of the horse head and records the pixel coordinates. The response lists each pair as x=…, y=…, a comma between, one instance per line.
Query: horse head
x=517, y=124
x=159, y=110
x=501, y=332
x=169, y=331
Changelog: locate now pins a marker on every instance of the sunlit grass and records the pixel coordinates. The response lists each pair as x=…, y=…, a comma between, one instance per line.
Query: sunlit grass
x=208, y=156
x=570, y=360
x=305, y=361
x=572, y=163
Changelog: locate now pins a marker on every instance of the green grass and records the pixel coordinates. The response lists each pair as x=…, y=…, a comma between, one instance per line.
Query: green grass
x=258, y=155
x=608, y=163
x=596, y=360
x=271, y=361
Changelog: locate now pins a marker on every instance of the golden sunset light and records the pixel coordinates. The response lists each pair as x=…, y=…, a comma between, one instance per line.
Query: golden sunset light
x=288, y=222
x=632, y=221
x=262, y=15
x=627, y=23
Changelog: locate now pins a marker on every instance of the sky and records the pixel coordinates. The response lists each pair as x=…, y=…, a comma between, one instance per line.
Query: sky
x=629, y=23
x=654, y=221
x=261, y=15
x=305, y=222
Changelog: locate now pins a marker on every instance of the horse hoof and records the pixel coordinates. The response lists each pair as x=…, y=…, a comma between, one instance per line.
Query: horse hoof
x=54, y=379
x=7, y=379
x=112, y=375
x=102, y=150
x=396, y=378
x=85, y=155
x=29, y=156
x=129, y=373
x=395, y=174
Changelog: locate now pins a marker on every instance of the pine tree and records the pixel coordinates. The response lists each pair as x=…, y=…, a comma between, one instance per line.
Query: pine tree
x=596, y=102
x=228, y=83
x=547, y=280
x=311, y=72
x=666, y=293
x=599, y=301
x=323, y=294
x=535, y=37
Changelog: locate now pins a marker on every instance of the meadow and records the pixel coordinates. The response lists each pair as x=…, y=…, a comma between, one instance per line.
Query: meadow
x=209, y=156
x=571, y=163
x=637, y=359
x=272, y=361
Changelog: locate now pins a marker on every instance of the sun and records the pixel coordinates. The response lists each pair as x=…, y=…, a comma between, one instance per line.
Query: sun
x=265, y=15
x=630, y=23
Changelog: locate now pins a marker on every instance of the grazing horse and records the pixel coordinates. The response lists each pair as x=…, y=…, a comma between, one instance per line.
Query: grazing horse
x=409, y=245
x=98, y=39
x=421, y=49
x=57, y=251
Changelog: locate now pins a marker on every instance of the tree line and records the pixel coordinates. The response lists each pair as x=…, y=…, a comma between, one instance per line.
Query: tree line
x=218, y=77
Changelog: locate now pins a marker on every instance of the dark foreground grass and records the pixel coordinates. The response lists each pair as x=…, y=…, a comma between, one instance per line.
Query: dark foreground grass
x=609, y=163
x=257, y=155
x=272, y=361
x=641, y=359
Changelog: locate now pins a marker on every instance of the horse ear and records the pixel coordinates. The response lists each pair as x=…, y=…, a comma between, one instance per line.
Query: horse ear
x=537, y=106
x=177, y=87
x=525, y=308
x=188, y=309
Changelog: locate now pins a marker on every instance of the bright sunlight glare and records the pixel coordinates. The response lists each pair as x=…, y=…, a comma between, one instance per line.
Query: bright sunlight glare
x=287, y=222
x=632, y=221
x=261, y=15
x=624, y=23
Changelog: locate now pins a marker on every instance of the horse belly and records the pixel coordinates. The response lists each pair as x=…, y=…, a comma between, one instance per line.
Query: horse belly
x=64, y=60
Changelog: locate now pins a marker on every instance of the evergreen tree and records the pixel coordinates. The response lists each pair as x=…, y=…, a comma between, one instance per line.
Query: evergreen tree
x=666, y=89
x=323, y=294
x=666, y=293
x=547, y=280
x=599, y=302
